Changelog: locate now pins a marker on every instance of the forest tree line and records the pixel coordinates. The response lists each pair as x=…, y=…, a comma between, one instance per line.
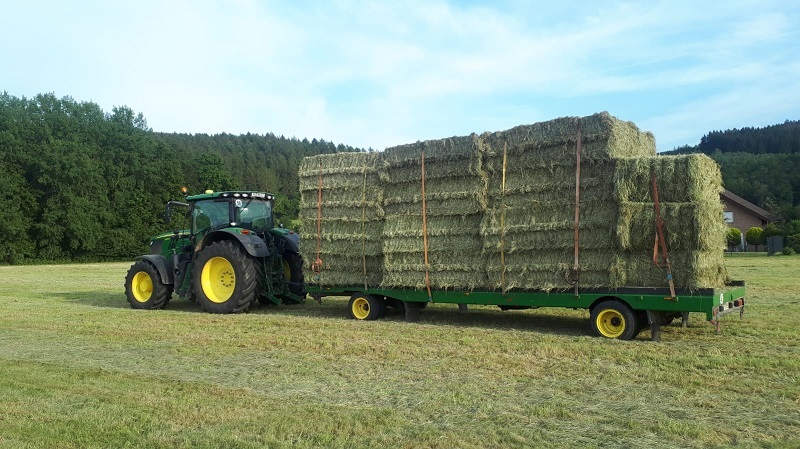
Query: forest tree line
x=761, y=165
x=78, y=183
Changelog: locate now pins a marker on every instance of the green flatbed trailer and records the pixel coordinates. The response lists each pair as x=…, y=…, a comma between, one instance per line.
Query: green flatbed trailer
x=615, y=313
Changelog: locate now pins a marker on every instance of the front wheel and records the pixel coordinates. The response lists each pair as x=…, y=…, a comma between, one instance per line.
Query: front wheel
x=225, y=278
x=614, y=319
x=144, y=288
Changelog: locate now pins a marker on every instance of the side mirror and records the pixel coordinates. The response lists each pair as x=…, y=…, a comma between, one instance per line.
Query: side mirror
x=168, y=211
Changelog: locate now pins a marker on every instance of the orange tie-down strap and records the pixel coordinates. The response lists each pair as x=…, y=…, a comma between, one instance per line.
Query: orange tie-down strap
x=364, y=226
x=576, y=265
x=660, y=241
x=503, y=222
x=316, y=266
x=425, y=233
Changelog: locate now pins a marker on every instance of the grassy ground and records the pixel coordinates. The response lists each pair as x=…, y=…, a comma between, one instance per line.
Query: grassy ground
x=78, y=368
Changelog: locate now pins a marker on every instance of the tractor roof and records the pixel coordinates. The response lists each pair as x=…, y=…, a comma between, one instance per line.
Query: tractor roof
x=230, y=194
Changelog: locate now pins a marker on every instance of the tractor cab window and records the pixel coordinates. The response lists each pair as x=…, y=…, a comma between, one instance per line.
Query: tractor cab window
x=253, y=214
x=207, y=214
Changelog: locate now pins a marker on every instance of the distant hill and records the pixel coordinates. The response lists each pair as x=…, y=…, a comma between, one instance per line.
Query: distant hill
x=773, y=139
x=761, y=165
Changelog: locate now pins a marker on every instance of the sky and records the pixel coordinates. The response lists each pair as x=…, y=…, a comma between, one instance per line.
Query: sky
x=374, y=74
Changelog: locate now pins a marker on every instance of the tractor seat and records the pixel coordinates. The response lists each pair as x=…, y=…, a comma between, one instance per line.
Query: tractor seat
x=202, y=222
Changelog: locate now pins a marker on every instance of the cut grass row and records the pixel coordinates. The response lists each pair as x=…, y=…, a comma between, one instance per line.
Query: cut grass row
x=78, y=368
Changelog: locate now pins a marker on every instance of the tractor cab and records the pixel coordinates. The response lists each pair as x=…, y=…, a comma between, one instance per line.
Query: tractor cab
x=231, y=256
x=246, y=210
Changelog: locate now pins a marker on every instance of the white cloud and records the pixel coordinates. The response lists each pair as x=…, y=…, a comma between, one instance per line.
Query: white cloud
x=767, y=103
x=383, y=73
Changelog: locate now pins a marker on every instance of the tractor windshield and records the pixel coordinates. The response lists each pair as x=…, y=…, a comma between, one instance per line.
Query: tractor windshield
x=207, y=214
x=250, y=213
x=253, y=214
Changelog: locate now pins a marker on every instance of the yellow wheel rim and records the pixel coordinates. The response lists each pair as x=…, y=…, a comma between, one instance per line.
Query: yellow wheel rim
x=218, y=279
x=361, y=308
x=287, y=272
x=611, y=323
x=142, y=287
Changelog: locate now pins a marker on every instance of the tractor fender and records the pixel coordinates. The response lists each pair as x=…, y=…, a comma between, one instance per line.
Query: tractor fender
x=162, y=264
x=292, y=241
x=251, y=243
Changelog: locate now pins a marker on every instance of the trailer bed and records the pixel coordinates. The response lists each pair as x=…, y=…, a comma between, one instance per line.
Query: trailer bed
x=655, y=305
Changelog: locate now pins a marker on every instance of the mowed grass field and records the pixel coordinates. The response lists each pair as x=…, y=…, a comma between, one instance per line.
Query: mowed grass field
x=78, y=368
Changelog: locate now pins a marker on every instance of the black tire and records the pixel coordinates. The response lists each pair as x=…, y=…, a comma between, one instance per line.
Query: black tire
x=225, y=278
x=412, y=310
x=365, y=307
x=614, y=319
x=642, y=322
x=669, y=318
x=294, y=262
x=144, y=288
x=396, y=304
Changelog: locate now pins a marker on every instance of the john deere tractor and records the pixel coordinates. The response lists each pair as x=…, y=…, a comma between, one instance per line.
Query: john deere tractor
x=230, y=258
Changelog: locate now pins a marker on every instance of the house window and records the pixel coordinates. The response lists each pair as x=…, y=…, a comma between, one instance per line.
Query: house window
x=727, y=217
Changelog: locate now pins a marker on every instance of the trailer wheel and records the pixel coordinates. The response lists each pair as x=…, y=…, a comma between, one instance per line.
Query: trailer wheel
x=614, y=319
x=225, y=278
x=144, y=288
x=365, y=307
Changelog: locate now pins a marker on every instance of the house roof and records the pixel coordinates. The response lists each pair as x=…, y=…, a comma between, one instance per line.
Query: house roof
x=761, y=213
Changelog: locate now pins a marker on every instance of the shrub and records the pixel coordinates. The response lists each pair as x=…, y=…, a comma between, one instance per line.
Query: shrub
x=788, y=251
x=755, y=236
x=791, y=228
x=771, y=229
x=734, y=237
x=793, y=241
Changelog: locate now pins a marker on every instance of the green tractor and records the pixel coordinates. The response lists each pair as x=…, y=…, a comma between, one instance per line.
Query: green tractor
x=232, y=257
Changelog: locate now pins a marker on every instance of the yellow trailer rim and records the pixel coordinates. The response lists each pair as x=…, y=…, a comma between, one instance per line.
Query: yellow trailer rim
x=611, y=323
x=361, y=308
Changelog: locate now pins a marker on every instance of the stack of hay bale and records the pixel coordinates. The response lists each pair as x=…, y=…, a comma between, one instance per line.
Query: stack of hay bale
x=351, y=237
x=529, y=226
x=496, y=227
x=455, y=187
x=689, y=188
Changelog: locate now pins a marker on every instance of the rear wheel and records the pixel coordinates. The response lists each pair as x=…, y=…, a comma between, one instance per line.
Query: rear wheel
x=293, y=271
x=365, y=307
x=225, y=278
x=144, y=288
x=614, y=319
